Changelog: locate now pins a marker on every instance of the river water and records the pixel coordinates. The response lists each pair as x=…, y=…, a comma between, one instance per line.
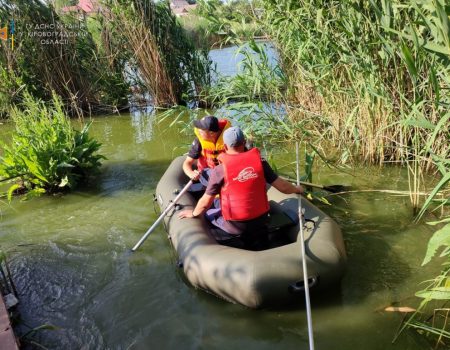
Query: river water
x=71, y=263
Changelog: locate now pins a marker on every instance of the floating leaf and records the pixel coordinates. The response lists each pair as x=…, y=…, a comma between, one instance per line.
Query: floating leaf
x=405, y=309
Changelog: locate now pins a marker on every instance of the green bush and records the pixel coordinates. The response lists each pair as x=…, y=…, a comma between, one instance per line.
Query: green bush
x=46, y=154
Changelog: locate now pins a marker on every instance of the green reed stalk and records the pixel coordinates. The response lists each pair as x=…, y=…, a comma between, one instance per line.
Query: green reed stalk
x=362, y=69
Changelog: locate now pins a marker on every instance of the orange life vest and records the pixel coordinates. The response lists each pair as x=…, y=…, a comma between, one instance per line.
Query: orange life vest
x=243, y=195
x=211, y=150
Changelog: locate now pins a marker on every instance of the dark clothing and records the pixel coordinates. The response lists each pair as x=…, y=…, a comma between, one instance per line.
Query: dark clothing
x=196, y=149
x=252, y=231
x=195, y=152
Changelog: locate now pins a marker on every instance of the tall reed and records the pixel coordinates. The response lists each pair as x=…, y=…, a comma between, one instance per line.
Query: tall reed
x=73, y=66
x=172, y=69
x=364, y=71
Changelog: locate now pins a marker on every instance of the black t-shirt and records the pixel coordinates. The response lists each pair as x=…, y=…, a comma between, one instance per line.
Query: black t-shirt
x=196, y=149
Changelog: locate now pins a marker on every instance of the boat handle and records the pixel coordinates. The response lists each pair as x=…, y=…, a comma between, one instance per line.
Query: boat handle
x=299, y=286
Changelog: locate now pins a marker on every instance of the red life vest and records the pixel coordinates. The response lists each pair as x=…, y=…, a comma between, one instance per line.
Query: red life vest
x=211, y=150
x=243, y=195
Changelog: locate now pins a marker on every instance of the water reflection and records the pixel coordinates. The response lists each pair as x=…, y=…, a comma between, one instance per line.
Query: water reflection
x=227, y=60
x=142, y=120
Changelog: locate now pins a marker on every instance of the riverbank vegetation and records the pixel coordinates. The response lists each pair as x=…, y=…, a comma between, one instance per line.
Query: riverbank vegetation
x=84, y=65
x=215, y=23
x=93, y=61
x=46, y=154
x=173, y=71
x=54, y=53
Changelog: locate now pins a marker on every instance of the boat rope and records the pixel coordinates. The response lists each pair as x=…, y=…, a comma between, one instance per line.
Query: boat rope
x=305, y=269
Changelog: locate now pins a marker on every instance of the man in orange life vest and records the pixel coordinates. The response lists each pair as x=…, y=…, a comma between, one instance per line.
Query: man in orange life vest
x=206, y=148
x=241, y=181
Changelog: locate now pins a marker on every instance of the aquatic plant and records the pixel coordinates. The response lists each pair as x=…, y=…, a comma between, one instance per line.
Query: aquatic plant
x=46, y=154
x=9, y=91
x=357, y=69
x=360, y=81
x=68, y=61
x=223, y=23
x=172, y=70
x=257, y=80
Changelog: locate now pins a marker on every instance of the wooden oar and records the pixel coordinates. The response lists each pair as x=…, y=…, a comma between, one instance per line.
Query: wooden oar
x=330, y=188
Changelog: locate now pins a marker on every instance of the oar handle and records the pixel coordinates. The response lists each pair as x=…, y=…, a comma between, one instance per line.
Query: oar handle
x=310, y=184
x=287, y=177
x=163, y=214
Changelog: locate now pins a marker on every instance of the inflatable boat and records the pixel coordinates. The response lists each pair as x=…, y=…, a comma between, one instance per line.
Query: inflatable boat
x=256, y=279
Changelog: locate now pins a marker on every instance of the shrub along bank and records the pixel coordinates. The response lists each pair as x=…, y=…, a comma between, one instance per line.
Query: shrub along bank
x=46, y=154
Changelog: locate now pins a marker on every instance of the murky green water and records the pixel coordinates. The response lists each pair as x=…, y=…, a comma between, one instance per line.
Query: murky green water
x=71, y=262
x=72, y=267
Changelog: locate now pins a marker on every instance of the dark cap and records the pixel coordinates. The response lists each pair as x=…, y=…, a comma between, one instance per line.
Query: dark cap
x=233, y=137
x=209, y=123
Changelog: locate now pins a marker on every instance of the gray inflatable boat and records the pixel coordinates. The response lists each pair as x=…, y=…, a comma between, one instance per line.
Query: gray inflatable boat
x=254, y=278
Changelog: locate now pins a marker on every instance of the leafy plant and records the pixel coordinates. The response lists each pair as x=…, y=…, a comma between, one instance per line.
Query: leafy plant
x=46, y=154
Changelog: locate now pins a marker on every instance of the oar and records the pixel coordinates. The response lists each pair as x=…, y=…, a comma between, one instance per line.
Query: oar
x=305, y=269
x=163, y=214
x=329, y=188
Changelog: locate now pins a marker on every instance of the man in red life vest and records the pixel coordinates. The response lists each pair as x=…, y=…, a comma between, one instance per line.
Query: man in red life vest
x=240, y=180
x=205, y=149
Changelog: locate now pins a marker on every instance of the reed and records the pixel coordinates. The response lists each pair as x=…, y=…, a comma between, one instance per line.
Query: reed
x=230, y=22
x=74, y=67
x=172, y=69
x=367, y=69
x=257, y=80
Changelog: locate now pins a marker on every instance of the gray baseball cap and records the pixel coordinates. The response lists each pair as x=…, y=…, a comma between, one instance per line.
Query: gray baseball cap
x=233, y=137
